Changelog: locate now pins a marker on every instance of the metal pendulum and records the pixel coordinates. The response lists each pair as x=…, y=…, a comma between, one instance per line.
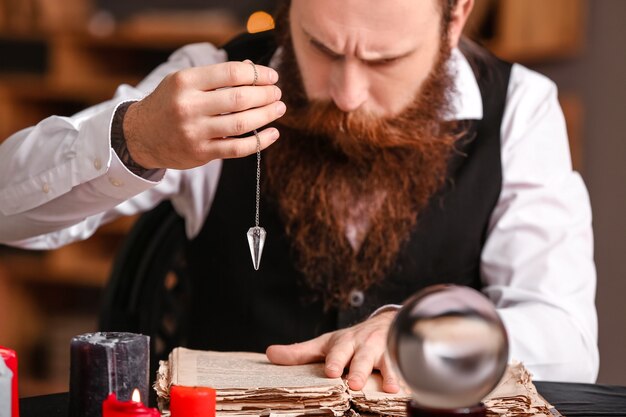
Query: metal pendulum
x=256, y=234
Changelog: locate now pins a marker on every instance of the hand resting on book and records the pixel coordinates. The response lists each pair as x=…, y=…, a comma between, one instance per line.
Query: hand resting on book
x=361, y=348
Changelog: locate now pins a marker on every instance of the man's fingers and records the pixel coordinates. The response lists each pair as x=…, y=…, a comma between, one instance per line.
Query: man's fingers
x=227, y=74
x=338, y=357
x=361, y=367
x=390, y=379
x=298, y=353
x=240, y=147
x=235, y=124
x=231, y=100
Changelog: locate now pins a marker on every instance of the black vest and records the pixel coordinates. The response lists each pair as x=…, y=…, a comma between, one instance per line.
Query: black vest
x=235, y=307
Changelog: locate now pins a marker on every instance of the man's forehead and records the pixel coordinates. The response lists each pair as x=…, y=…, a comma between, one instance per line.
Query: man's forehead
x=372, y=26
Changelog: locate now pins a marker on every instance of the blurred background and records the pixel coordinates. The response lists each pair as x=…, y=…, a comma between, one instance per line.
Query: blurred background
x=57, y=57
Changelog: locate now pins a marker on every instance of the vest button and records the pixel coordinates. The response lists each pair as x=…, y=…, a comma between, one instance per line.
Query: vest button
x=356, y=298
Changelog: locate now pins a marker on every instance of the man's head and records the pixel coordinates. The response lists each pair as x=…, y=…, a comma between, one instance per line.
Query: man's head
x=364, y=145
x=368, y=54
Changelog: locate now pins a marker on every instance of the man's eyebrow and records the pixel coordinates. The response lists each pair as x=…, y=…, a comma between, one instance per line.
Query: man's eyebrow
x=320, y=45
x=327, y=50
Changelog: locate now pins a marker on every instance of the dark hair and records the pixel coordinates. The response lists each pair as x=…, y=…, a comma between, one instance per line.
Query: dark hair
x=446, y=15
x=282, y=11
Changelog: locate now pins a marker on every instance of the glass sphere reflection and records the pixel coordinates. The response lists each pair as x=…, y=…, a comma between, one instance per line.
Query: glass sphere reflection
x=449, y=345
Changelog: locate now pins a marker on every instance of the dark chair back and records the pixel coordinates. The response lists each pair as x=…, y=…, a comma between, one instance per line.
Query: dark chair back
x=148, y=291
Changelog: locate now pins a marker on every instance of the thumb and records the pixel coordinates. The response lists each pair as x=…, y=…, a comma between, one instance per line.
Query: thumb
x=298, y=353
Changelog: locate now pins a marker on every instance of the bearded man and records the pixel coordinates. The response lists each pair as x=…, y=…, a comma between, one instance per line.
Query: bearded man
x=407, y=158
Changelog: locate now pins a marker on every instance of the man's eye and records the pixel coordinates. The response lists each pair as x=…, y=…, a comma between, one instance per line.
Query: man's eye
x=383, y=62
x=325, y=51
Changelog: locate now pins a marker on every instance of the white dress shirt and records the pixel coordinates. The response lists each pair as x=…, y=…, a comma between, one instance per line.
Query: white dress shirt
x=60, y=180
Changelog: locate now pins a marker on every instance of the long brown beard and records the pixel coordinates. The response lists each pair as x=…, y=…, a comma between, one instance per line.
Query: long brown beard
x=332, y=169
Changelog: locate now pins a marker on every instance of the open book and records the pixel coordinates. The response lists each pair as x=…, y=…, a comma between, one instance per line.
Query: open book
x=247, y=384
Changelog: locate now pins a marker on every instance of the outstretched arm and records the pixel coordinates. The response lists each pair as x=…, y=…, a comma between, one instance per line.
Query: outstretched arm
x=60, y=179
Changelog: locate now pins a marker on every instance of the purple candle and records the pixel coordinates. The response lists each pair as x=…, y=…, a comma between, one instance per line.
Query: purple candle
x=104, y=363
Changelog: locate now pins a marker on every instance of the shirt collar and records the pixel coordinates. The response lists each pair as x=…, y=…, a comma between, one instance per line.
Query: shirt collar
x=466, y=101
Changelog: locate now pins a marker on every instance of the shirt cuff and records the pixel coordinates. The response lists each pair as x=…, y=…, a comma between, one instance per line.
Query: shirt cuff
x=118, y=142
x=385, y=308
x=119, y=181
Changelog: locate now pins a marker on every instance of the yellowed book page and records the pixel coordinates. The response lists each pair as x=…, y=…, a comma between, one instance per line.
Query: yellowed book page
x=515, y=395
x=244, y=371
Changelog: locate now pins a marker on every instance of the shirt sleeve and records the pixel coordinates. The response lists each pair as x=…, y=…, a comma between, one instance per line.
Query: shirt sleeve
x=537, y=264
x=60, y=179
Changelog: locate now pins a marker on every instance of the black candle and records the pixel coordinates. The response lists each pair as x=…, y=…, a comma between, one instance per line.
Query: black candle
x=104, y=363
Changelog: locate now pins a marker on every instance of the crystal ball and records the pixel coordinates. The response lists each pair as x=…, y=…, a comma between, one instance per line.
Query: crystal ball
x=449, y=346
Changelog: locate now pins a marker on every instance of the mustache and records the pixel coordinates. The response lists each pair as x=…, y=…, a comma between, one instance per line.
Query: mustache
x=323, y=117
x=361, y=131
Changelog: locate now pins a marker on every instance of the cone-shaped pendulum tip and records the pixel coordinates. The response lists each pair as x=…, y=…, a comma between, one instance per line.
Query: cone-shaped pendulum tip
x=256, y=240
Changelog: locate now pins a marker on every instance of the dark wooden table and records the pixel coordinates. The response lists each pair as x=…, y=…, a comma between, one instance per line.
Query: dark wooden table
x=570, y=399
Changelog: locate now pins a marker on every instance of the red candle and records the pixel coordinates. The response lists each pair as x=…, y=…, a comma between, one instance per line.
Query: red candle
x=112, y=407
x=192, y=401
x=10, y=358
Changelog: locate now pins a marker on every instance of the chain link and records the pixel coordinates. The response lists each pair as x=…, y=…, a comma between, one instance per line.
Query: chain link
x=258, y=177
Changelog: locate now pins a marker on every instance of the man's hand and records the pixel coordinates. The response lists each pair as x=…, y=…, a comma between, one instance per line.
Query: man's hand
x=362, y=347
x=190, y=118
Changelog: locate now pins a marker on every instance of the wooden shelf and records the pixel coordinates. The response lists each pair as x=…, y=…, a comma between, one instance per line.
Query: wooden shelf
x=87, y=263
x=82, y=69
x=530, y=31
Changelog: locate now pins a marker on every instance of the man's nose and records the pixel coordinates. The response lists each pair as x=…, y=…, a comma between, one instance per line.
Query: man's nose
x=349, y=85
